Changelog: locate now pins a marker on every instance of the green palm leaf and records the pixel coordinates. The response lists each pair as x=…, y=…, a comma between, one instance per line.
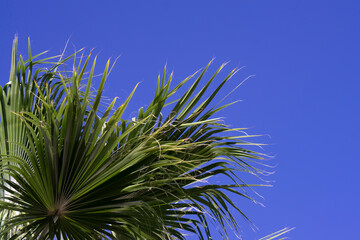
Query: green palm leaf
x=72, y=172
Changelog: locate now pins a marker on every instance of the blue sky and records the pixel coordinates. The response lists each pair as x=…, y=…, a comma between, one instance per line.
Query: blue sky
x=305, y=55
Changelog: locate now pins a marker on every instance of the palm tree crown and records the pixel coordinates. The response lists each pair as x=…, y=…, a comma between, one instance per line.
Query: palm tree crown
x=71, y=171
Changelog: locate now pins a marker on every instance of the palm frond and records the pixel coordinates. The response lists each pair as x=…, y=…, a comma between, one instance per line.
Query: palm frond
x=278, y=235
x=77, y=173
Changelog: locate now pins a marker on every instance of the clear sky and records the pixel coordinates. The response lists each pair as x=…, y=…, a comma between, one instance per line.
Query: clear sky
x=305, y=55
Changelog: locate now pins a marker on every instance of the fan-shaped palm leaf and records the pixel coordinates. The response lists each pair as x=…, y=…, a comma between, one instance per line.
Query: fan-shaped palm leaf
x=77, y=174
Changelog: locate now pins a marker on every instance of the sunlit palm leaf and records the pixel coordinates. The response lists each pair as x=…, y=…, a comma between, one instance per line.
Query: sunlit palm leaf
x=20, y=95
x=85, y=175
x=279, y=235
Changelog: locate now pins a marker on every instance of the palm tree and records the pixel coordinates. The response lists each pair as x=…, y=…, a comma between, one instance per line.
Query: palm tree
x=70, y=170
